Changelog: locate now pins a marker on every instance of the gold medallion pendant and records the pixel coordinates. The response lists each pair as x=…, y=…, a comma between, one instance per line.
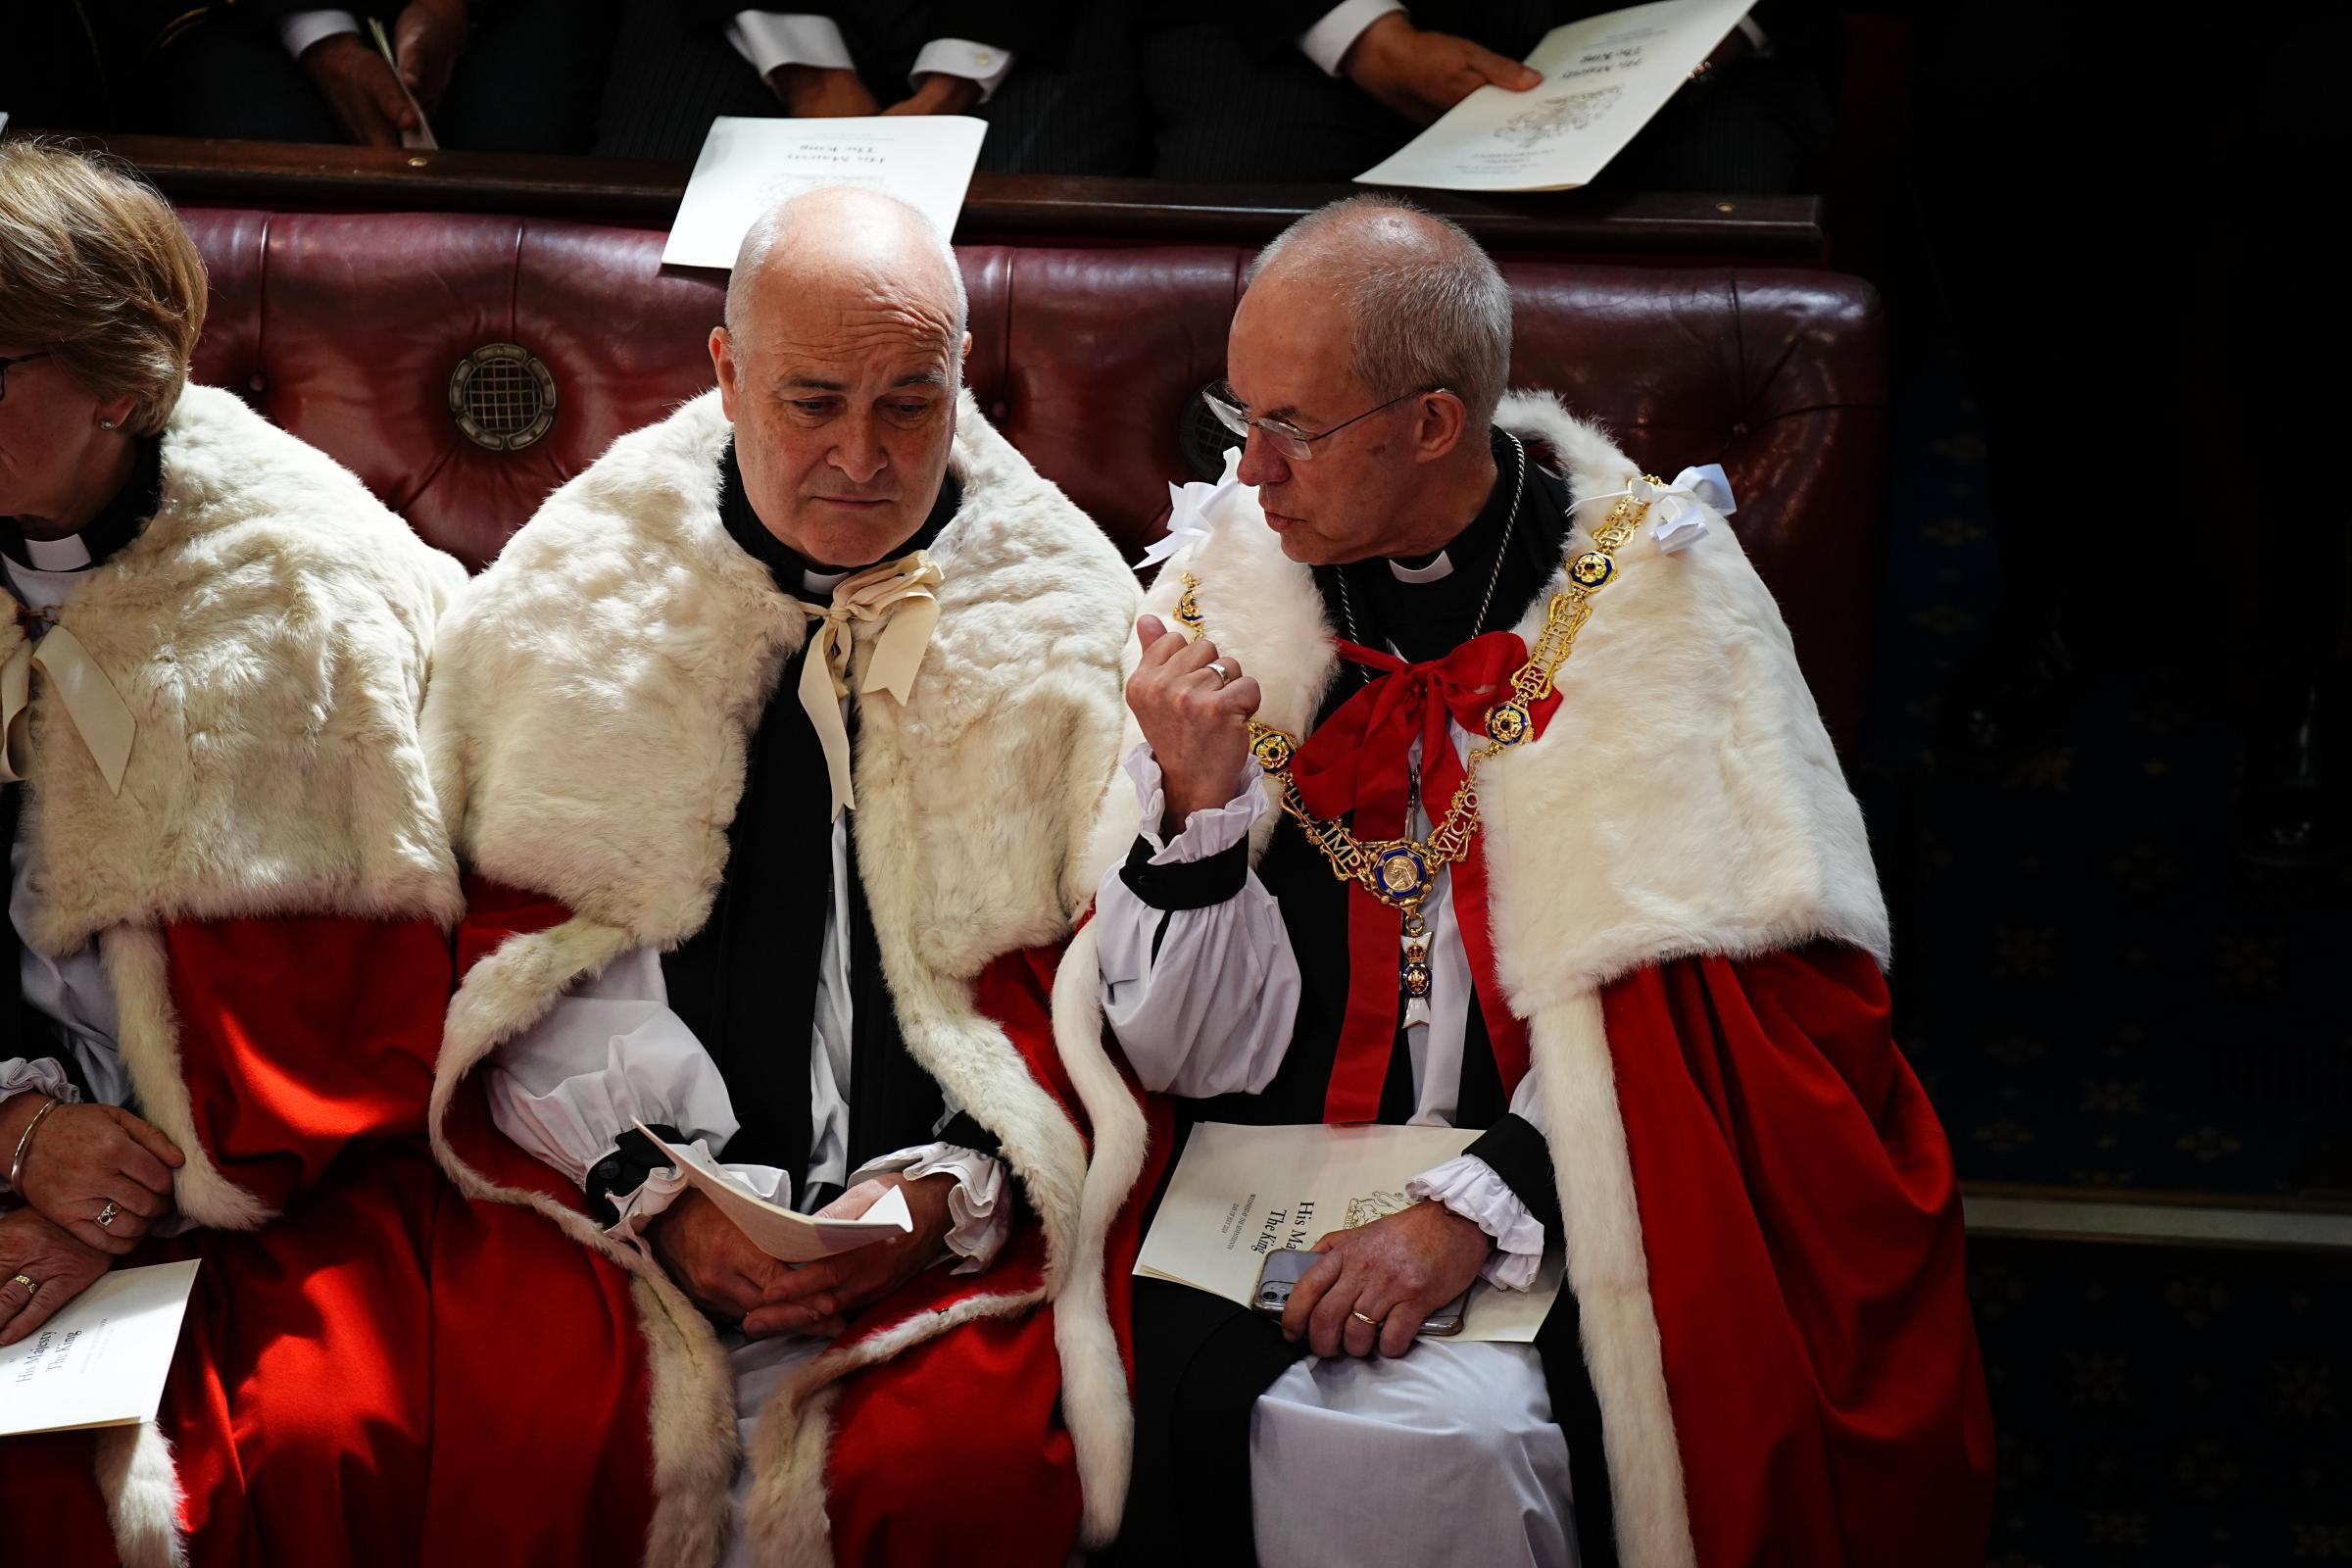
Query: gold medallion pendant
x=1401, y=873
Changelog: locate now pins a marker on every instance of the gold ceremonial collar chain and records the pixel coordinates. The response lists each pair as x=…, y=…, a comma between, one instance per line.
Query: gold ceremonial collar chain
x=1401, y=871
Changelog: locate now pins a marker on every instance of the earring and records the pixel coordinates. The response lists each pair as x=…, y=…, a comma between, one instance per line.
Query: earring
x=106, y=424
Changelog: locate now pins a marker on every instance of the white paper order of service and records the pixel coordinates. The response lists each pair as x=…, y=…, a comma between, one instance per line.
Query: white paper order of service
x=1603, y=79
x=748, y=165
x=782, y=1232
x=100, y=1360
x=1239, y=1192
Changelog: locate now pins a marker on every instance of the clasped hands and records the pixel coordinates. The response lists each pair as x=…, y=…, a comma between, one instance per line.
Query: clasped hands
x=825, y=92
x=95, y=1178
x=728, y=1277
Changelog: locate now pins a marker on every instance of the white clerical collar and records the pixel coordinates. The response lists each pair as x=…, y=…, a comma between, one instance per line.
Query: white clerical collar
x=822, y=582
x=69, y=554
x=1436, y=570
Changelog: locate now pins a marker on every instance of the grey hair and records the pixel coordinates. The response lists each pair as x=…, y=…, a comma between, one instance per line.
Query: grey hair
x=770, y=227
x=1426, y=305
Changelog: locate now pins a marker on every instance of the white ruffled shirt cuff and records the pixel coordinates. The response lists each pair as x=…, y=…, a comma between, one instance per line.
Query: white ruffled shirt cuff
x=1207, y=832
x=982, y=1219
x=1327, y=42
x=663, y=1185
x=1468, y=1186
x=32, y=1075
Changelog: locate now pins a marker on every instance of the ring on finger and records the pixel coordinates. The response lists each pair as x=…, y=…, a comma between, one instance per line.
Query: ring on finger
x=1218, y=668
x=109, y=1215
x=31, y=1286
x=1373, y=1323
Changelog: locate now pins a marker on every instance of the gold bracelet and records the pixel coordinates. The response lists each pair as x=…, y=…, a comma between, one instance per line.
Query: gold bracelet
x=15, y=1167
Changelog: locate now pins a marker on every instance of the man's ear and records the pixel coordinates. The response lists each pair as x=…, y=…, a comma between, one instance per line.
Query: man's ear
x=722, y=364
x=1444, y=417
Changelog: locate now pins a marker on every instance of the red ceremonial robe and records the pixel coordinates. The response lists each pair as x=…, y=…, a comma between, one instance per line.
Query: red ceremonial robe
x=355, y=1383
x=1762, y=1230
x=1785, y=1160
x=594, y=697
x=905, y=1480
x=372, y=1370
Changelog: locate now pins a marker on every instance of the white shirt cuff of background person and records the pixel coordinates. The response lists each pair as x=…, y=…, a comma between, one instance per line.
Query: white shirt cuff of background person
x=1327, y=42
x=983, y=64
x=769, y=39
x=299, y=29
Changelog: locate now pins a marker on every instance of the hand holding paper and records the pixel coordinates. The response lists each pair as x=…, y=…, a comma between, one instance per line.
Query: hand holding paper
x=779, y=1232
x=1601, y=80
x=1240, y=1191
x=100, y=1360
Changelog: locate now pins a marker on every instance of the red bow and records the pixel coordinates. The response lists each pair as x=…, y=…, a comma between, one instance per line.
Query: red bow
x=1359, y=762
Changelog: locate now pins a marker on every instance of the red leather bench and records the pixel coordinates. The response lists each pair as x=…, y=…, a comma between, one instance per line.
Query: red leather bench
x=346, y=329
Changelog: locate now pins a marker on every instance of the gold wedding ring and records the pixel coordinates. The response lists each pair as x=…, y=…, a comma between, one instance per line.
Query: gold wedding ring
x=24, y=1280
x=1371, y=1322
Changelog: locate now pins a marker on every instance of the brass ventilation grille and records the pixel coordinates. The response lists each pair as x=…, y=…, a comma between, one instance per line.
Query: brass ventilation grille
x=502, y=396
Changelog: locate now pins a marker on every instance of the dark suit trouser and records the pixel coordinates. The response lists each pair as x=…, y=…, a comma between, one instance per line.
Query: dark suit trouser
x=670, y=78
x=527, y=82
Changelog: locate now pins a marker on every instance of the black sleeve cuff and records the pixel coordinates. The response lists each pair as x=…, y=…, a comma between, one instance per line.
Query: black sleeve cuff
x=964, y=1130
x=1190, y=885
x=1519, y=1155
x=623, y=1170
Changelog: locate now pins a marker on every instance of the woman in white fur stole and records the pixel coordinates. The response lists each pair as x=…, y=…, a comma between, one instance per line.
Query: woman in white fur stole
x=773, y=738
x=231, y=891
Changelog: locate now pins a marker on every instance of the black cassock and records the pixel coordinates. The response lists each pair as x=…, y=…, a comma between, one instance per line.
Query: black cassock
x=1201, y=1361
x=747, y=982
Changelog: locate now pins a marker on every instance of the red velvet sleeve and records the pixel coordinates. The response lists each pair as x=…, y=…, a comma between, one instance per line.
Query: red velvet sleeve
x=1803, y=1234
x=300, y=1034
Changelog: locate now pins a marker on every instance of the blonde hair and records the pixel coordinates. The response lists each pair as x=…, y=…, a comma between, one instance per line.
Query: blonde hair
x=96, y=269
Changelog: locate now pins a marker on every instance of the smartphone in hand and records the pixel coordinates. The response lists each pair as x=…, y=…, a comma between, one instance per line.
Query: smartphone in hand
x=1283, y=1269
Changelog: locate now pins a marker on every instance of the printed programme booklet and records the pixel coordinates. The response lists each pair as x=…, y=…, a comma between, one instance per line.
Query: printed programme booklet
x=1239, y=1192
x=1604, y=79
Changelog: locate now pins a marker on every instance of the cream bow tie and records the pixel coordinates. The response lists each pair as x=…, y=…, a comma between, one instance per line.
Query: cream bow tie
x=99, y=714
x=897, y=592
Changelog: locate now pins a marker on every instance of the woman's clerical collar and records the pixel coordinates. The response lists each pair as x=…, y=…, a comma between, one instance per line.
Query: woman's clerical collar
x=795, y=573
x=117, y=523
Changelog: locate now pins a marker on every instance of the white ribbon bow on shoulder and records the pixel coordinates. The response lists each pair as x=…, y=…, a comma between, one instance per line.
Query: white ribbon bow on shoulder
x=898, y=592
x=100, y=716
x=1193, y=512
x=1677, y=518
